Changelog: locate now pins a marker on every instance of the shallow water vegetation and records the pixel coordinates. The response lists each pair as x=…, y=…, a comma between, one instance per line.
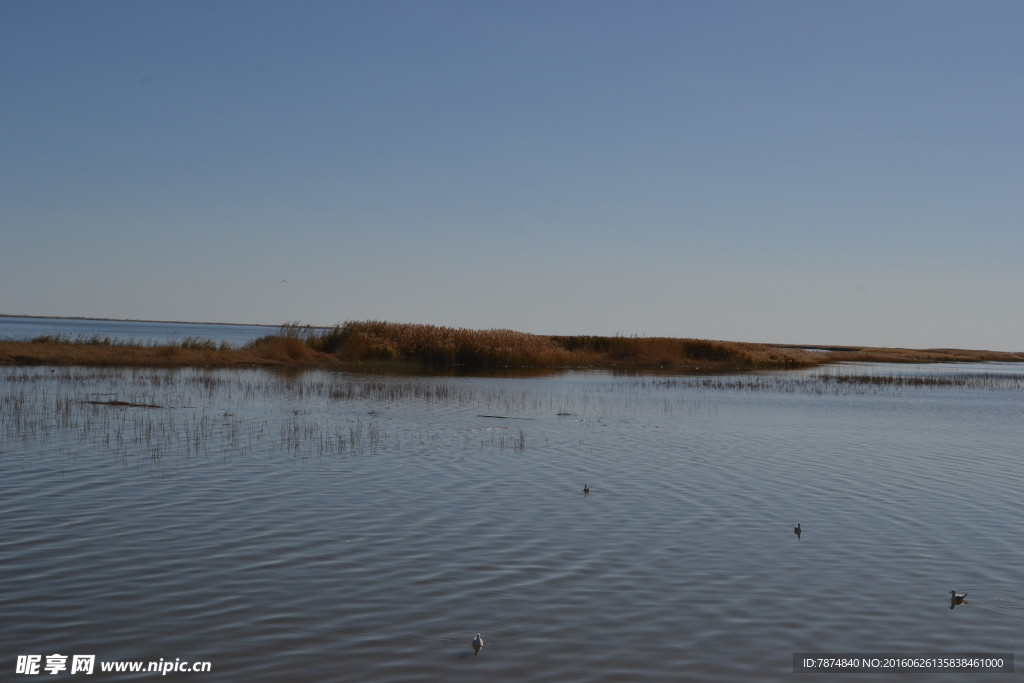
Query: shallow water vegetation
x=152, y=414
x=163, y=419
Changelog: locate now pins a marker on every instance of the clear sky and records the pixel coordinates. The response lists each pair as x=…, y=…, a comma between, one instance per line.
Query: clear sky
x=805, y=172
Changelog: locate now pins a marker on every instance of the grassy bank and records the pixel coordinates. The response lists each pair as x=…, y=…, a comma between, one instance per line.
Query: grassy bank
x=189, y=352
x=390, y=344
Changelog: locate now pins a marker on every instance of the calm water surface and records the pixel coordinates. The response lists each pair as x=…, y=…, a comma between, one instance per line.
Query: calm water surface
x=142, y=332
x=324, y=526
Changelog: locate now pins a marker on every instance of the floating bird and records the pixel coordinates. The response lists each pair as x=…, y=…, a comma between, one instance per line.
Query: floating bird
x=586, y=489
x=797, y=530
x=478, y=643
x=957, y=597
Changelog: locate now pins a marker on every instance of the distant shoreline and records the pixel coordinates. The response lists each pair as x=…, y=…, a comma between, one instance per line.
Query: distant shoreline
x=132, y=320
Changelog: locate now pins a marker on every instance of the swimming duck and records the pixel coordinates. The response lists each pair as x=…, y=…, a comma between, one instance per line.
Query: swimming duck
x=797, y=530
x=586, y=489
x=957, y=597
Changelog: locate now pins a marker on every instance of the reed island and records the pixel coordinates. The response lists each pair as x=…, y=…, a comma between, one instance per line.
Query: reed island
x=381, y=345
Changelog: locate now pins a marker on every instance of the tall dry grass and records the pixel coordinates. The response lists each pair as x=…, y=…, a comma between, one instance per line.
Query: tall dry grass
x=188, y=352
x=888, y=355
x=447, y=347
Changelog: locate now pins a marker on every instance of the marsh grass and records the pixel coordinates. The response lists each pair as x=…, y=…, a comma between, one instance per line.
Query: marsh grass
x=437, y=346
x=883, y=355
x=186, y=352
x=83, y=340
x=190, y=343
x=384, y=344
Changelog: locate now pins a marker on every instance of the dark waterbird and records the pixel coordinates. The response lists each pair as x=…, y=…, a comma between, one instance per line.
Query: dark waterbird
x=586, y=488
x=957, y=599
x=797, y=530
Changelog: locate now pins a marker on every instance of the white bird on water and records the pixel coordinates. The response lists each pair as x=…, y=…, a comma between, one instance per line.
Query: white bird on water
x=478, y=641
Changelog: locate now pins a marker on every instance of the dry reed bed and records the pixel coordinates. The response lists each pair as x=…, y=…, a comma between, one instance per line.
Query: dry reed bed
x=277, y=351
x=384, y=343
x=446, y=346
x=883, y=355
x=423, y=345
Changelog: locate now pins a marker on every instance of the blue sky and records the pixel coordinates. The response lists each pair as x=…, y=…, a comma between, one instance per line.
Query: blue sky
x=805, y=172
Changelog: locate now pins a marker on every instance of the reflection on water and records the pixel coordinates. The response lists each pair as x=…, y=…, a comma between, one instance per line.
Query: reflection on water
x=319, y=526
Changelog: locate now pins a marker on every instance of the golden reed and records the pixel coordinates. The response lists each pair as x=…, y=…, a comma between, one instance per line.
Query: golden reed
x=384, y=343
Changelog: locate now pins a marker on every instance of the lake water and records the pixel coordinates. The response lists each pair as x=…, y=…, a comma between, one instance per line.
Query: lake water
x=140, y=331
x=327, y=526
